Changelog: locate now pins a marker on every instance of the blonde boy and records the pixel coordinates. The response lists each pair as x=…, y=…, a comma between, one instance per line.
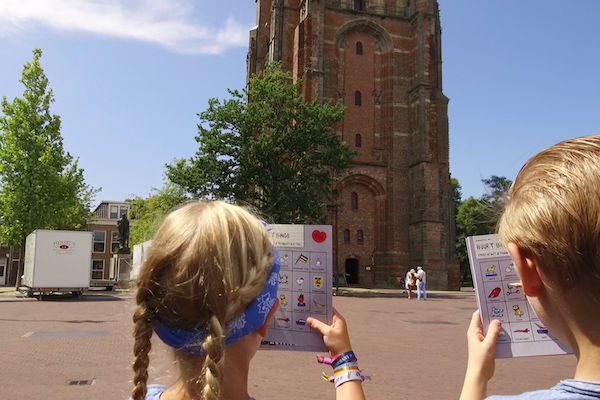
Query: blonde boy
x=551, y=228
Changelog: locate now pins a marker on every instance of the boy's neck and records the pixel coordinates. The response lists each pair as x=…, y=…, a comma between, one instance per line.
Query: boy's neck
x=582, y=322
x=588, y=363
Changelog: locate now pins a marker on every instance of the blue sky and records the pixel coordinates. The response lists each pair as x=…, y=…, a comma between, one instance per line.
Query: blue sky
x=129, y=77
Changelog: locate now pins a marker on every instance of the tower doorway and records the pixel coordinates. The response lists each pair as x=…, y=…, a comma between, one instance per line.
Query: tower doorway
x=352, y=270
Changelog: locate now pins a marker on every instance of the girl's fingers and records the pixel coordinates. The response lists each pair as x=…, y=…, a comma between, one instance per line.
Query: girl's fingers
x=317, y=325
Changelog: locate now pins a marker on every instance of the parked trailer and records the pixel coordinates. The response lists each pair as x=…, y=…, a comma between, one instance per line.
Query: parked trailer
x=57, y=262
x=140, y=252
x=113, y=276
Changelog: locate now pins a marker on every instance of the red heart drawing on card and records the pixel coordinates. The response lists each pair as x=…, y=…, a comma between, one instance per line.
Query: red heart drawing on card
x=319, y=236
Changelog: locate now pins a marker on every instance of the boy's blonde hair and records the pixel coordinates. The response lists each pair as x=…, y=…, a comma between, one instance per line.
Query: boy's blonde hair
x=553, y=213
x=207, y=262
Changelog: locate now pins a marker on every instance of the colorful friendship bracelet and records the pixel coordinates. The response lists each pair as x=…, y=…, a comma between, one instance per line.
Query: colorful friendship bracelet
x=328, y=378
x=350, y=375
x=340, y=359
x=345, y=368
x=353, y=365
x=324, y=360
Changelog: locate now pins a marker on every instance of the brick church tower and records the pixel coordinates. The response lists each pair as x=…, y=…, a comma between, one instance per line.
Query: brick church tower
x=383, y=58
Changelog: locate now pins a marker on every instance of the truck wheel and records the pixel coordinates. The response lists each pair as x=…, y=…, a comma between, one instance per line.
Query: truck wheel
x=76, y=294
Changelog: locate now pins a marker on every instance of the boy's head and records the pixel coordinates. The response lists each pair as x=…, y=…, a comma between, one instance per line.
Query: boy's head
x=553, y=214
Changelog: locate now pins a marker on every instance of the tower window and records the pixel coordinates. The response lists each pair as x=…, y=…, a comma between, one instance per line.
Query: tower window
x=360, y=238
x=357, y=98
x=359, y=48
x=358, y=140
x=354, y=201
x=346, y=236
x=358, y=4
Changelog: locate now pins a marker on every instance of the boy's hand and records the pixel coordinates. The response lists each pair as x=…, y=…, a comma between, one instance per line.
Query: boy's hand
x=335, y=336
x=482, y=356
x=482, y=349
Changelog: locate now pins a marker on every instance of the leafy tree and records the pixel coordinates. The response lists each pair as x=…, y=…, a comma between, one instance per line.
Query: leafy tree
x=479, y=217
x=274, y=151
x=497, y=187
x=456, y=194
x=42, y=185
x=148, y=213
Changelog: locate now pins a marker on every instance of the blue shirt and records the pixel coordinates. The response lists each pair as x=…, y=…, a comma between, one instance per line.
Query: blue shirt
x=569, y=389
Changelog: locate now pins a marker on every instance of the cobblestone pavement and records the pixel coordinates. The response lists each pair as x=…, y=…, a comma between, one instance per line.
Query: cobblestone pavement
x=411, y=349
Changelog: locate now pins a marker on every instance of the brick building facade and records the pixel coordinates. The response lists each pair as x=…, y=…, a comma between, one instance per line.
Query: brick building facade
x=383, y=58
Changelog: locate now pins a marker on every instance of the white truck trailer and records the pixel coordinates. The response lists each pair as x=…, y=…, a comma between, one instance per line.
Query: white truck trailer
x=57, y=262
x=140, y=252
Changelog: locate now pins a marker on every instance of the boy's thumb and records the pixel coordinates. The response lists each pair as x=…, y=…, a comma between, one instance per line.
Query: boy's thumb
x=493, y=331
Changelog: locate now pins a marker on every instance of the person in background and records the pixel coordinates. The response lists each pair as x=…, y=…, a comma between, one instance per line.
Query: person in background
x=421, y=283
x=409, y=282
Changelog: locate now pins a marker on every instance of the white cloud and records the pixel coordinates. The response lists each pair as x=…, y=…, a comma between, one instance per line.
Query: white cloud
x=165, y=22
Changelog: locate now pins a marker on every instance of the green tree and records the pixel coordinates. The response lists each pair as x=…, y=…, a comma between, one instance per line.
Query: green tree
x=479, y=217
x=456, y=194
x=148, y=213
x=274, y=151
x=497, y=188
x=42, y=185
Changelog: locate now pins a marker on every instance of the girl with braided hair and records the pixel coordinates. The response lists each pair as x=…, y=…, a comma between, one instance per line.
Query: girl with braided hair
x=208, y=288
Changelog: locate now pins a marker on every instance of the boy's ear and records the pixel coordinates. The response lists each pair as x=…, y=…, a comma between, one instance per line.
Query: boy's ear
x=527, y=267
x=265, y=327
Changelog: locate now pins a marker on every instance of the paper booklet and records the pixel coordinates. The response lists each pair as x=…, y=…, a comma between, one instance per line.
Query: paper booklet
x=493, y=271
x=305, y=286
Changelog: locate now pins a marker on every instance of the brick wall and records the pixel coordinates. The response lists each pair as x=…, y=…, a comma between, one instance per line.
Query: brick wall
x=401, y=173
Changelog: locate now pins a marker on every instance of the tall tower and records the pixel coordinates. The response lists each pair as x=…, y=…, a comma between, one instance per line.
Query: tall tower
x=383, y=58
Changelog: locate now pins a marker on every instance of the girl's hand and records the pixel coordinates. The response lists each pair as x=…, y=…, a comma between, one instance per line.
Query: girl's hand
x=335, y=336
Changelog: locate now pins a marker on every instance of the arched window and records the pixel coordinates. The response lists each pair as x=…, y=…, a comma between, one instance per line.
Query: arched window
x=354, y=201
x=346, y=236
x=358, y=4
x=360, y=238
x=358, y=140
x=359, y=48
x=357, y=98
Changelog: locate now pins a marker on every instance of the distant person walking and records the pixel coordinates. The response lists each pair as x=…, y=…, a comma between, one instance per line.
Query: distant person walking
x=421, y=283
x=409, y=282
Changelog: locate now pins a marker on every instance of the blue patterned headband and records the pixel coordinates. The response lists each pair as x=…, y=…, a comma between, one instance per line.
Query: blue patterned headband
x=253, y=318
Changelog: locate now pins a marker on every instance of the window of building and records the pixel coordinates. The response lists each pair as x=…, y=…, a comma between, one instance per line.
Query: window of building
x=358, y=140
x=114, y=212
x=359, y=48
x=354, y=201
x=360, y=239
x=114, y=241
x=99, y=241
x=358, y=4
x=346, y=236
x=97, y=269
x=357, y=98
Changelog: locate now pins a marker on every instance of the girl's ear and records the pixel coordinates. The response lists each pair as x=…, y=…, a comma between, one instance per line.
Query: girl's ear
x=527, y=267
x=265, y=327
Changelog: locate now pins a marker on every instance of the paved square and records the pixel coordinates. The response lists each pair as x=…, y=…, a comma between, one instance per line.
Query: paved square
x=411, y=349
